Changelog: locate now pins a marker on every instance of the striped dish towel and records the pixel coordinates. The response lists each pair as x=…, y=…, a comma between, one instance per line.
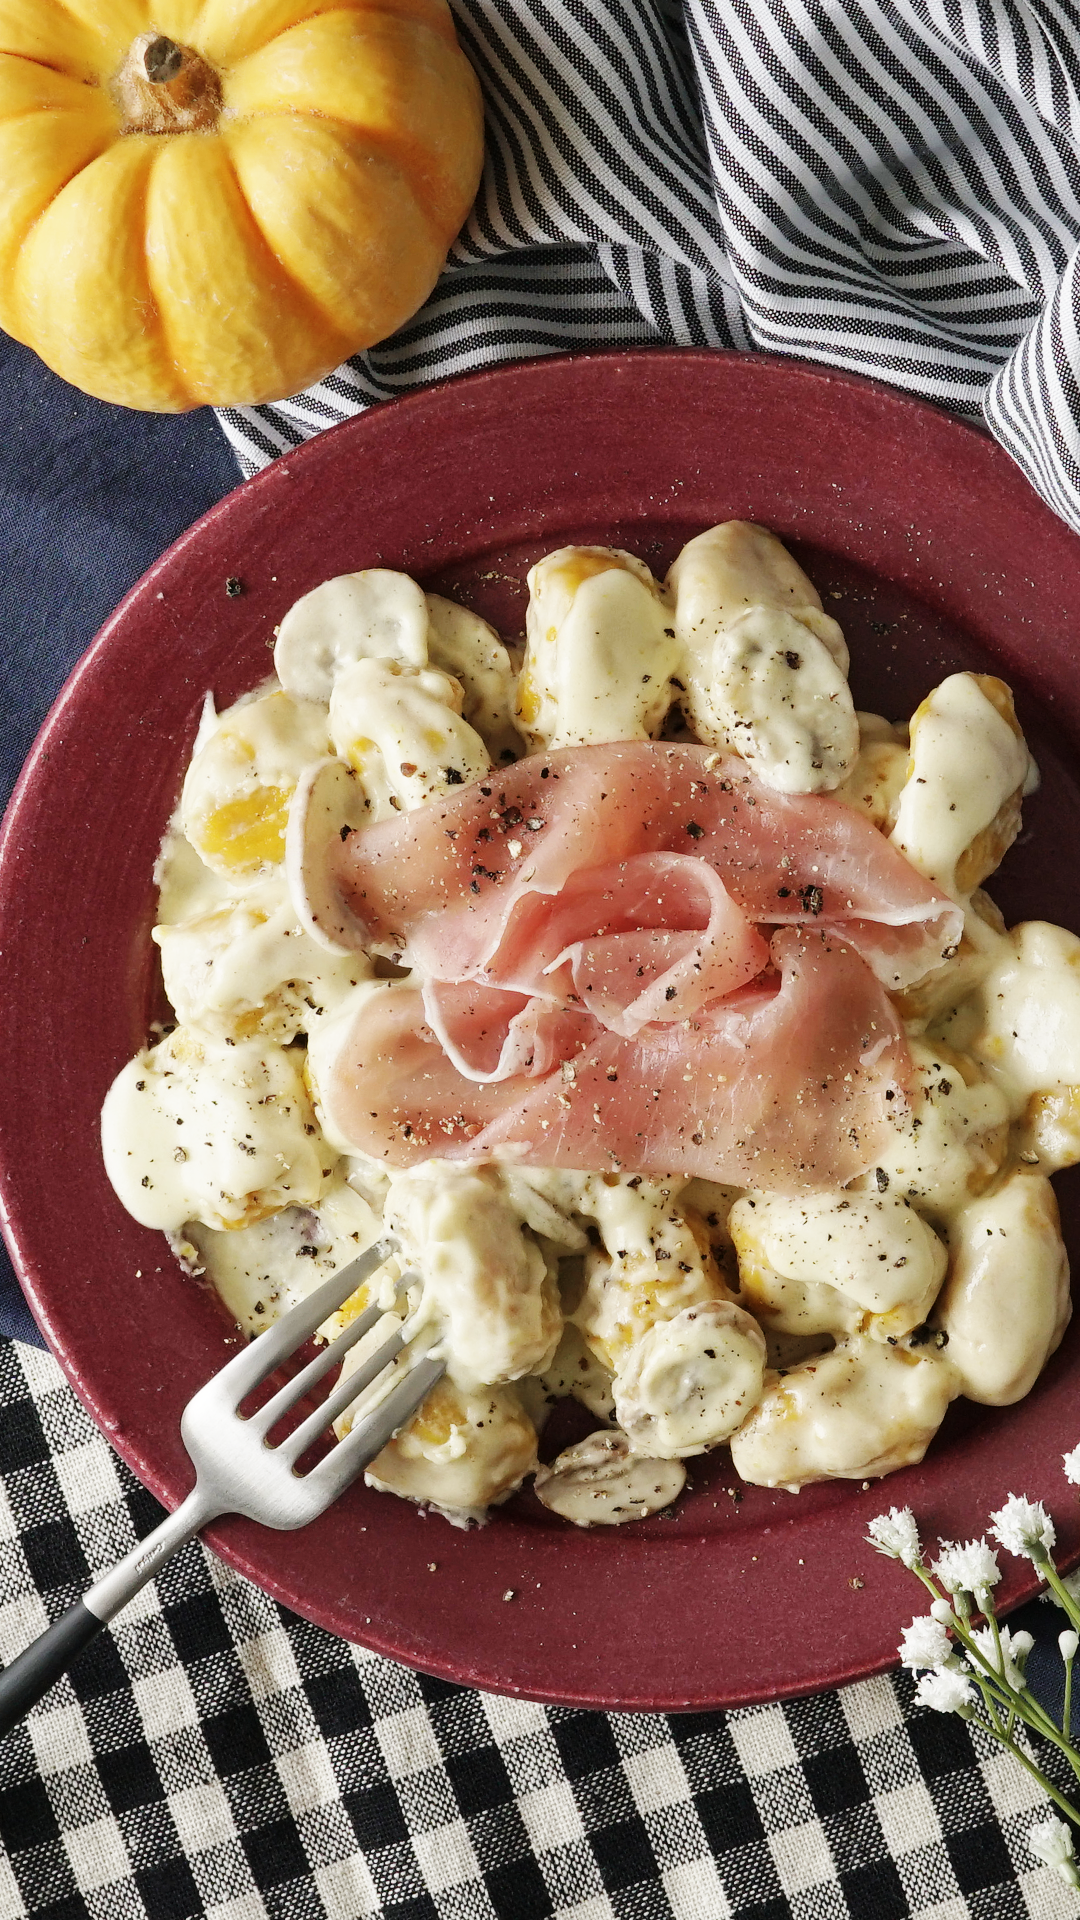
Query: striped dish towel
x=888, y=186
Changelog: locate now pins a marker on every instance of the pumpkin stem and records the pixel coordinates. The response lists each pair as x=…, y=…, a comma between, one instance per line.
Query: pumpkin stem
x=166, y=88
x=162, y=59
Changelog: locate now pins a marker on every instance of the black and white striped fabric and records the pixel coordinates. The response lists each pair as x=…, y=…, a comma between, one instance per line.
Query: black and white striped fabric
x=888, y=186
x=215, y=1756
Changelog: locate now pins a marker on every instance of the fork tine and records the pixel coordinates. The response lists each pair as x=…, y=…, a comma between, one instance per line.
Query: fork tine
x=341, y=1395
x=252, y=1364
x=294, y=1389
x=372, y=1431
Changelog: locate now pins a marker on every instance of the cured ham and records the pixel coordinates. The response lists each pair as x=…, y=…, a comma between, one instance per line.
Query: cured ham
x=631, y=955
x=654, y=938
x=788, y=1087
x=455, y=886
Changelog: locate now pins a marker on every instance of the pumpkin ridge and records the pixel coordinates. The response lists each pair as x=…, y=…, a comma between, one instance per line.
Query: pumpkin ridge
x=83, y=48
x=10, y=303
x=253, y=36
x=310, y=298
x=358, y=139
x=422, y=51
x=152, y=303
x=299, y=293
x=296, y=286
x=92, y=87
x=439, y=21
x=90, y=304
x=92, y=82
x=54, y=189
x=379, y=142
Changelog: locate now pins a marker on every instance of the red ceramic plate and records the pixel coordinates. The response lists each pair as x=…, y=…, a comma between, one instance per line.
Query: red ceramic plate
x=934, y=553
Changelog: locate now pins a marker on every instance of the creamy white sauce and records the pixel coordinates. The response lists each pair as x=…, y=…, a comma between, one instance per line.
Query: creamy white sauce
x=248, y=968
x=198, y=1129
x=601, y=650
x=1029, y=998
x=765, y=667
x=1006, y=1303
x=954, y=1138
x=862, y=1410
x=488, y=1291
x=372, y=615
x=463, y=645
x=400, y=729
x=235, y=802
x=959, y=810
x=465, y=1451
x=263, y=1269
x=877, y=779
x=691, y=1380
x=875, y=1252
x=941, y=1271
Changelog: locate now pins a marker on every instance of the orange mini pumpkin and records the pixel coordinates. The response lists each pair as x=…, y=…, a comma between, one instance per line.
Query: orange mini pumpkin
x=217, y=201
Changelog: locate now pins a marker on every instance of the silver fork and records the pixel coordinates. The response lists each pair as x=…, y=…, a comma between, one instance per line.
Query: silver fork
x=236, y=1468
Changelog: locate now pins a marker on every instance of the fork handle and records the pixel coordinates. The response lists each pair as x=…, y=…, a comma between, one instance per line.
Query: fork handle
x=32, y=1672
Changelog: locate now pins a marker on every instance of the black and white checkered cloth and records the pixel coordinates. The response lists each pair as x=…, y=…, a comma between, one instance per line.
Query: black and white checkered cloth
x=215, y=1756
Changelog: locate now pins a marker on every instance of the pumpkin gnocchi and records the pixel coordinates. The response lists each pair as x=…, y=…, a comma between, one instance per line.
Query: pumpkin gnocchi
x=821, y=1333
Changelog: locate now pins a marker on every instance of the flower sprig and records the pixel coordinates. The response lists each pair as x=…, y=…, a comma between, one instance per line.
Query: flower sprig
x=979, y=1671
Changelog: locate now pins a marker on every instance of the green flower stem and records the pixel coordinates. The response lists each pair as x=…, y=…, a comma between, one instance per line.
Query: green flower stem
x=1066, y=1714
x=995, y=1726
x=1053, y=1579
x=1023, y=1705
x=1036, y=1773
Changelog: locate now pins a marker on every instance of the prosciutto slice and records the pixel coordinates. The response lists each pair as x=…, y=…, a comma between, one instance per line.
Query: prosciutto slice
x=631, y=956
x=788, y=1086
x=458, y=886
x=654, y=938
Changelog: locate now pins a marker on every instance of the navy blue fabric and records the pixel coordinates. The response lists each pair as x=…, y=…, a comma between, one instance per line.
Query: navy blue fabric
x=90, y=495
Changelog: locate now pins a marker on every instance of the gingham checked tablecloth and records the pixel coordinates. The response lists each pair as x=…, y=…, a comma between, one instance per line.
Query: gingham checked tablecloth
x=887, y=185
x=214, y=1755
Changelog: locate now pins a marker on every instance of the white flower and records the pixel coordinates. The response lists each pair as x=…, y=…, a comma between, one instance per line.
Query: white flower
x=1023, y=1527
x=948, y=1690
x=1068, y=1644
x=941, y=1611
x=1015, y=1648
x=972, y=1568
x=1072, y=1466
x=1052, y=1843
x=925, y=1644
x=896, y=1534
